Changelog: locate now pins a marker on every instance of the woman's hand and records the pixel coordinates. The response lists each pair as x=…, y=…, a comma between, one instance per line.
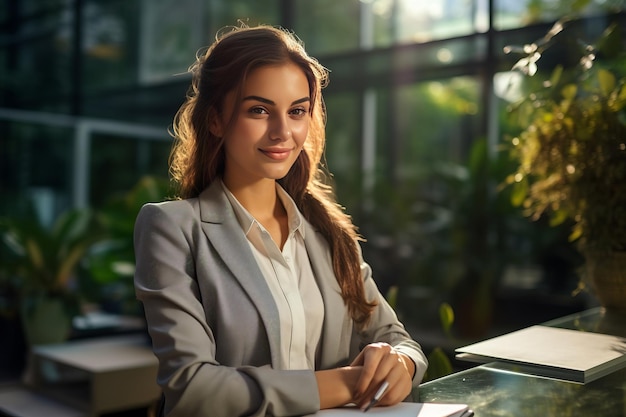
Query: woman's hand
x=381, y=362
x=336, y=386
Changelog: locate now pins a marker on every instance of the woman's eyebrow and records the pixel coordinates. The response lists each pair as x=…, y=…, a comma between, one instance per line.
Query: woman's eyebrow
x=272, y=103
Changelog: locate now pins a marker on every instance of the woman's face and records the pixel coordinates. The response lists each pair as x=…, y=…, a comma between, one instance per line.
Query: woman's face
x=270, y=125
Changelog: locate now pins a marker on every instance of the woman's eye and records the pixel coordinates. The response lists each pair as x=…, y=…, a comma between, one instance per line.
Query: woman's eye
x=298, y=112
x=257, y=110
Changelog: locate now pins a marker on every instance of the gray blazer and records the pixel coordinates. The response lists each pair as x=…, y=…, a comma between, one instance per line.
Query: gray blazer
x=213, y=322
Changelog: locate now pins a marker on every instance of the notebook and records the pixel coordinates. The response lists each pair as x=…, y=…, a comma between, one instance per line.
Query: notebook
x=402, y=410
x=566, y=354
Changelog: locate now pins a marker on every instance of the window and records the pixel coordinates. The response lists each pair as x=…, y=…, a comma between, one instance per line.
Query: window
x=328, y=26
x=117, y=162
x=36, y=161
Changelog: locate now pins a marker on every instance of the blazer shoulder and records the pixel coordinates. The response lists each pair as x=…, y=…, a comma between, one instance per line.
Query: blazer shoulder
x=176, y=211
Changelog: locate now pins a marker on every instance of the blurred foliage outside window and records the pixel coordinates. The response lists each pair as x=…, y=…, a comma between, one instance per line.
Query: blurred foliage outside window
x=510, y=14
x=422, y=190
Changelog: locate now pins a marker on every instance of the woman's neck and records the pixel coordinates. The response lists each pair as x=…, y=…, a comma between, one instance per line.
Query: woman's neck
x=259, y=198
x=262, y=202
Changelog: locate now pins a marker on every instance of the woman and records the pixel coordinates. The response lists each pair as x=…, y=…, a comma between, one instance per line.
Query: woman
x=256, y=296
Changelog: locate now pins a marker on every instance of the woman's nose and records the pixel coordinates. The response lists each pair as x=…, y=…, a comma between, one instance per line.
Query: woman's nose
x=280, y=129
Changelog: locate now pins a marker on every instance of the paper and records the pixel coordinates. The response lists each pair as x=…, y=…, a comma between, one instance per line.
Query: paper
x=550, y=351
x=399, y=410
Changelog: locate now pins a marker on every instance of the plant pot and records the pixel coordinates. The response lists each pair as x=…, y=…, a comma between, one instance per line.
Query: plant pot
x=605, y=272
x=45, y=320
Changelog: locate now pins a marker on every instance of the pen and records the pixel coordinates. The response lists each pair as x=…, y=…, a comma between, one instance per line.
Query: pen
x=381, y=390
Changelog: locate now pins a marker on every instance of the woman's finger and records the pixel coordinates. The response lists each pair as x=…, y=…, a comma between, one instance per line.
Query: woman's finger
x=371, y=358
x=390, y=368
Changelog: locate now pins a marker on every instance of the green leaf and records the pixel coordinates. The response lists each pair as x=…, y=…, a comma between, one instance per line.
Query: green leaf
x=579, y=5
x=72, y=225
x=610, y=43
x=577, y=232
x=519, y=192
x=446, y=316
x=569, y=91
x=621, y=98
x=555, y=77
x=558, y=217
x=607, y=82
x=478, y=156
x=69, y=263
x=35, y=254
x=392, y=296
x=438, y=365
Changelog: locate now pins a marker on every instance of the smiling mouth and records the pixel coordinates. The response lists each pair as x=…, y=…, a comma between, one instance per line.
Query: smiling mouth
x=277, y=155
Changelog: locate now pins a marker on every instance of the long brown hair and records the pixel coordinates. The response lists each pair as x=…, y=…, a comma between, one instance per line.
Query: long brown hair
x=197, y=158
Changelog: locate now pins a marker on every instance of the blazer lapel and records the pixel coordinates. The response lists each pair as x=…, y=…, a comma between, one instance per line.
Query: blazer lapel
x=221, y=227
x=337, y=327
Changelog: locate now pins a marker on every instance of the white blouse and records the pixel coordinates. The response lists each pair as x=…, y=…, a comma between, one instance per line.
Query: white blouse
x=291, y=281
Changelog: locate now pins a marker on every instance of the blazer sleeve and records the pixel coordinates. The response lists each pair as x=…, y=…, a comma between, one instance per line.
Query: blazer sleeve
x=193, y=382
x=384, y=326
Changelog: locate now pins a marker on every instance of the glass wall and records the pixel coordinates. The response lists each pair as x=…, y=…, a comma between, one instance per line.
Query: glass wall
x=108, y=45
x=327, y=26
x=117, y=162
x=37, y=68
x=43, y=170
x=88, y=89
x=510, y=14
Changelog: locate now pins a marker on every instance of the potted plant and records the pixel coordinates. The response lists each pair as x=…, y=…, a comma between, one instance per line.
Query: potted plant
x=571, y=154
x=110, y=265
x=39, y=263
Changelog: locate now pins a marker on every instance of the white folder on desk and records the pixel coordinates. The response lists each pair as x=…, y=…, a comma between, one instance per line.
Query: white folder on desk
x=400, y=410
x=553, y=352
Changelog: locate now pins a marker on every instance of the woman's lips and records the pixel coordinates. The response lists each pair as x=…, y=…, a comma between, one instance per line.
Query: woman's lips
x=276, y=154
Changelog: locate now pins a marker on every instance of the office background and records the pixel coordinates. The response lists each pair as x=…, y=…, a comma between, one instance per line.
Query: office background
x=416, y=135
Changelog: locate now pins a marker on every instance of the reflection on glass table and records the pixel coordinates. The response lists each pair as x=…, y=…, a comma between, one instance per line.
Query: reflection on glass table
x=496, y=389
x=595, y=320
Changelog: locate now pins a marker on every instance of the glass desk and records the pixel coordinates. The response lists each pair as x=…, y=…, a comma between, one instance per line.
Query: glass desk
x=495, y=389
x=595, y=320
